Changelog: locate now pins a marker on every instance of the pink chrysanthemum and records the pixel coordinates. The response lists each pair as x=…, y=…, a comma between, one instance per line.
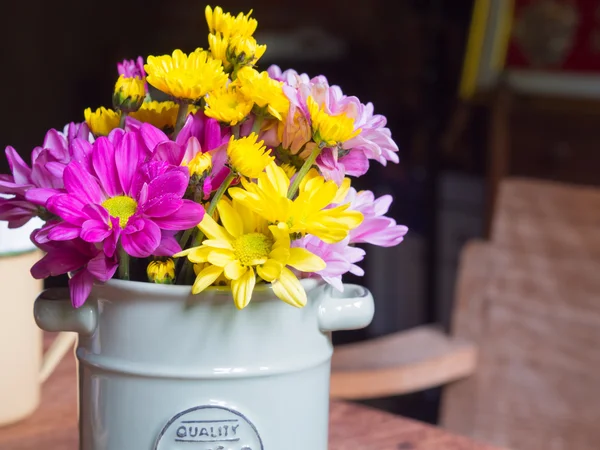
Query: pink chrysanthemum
x=115, y=196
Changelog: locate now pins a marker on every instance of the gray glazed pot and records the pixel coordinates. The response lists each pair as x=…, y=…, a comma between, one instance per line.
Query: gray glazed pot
x=160, y=369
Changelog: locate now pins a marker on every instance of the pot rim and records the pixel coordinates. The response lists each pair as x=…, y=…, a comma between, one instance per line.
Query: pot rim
x=262, y=291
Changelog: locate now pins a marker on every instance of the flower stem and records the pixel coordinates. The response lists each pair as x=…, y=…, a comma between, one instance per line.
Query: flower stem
x=303, y=171
x=123, y=264
x=122, y=119
x=213, y=204
x=235, y=131
x=258, y=121
x=182, y=113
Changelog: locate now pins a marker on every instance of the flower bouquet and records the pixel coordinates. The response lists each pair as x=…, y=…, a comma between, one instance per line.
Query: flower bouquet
x=238, y=186
x=241, y=179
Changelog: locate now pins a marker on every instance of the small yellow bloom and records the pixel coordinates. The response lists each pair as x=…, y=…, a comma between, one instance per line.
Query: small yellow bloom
x=162, y=115
x=201, y=165
x=308, y=213
x=263, y=91
x=236, y=51
x=228, y=105
x=227, y=25
x=102, y=121
x=186, y=77
x=161, y=272
x=289, y=170
x=329, y=131
x=129, y=94
x=218, y=49
x=245, y=244
x=248, y=157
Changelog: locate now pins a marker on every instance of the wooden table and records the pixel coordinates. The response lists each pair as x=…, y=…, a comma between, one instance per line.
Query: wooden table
x=54, y=425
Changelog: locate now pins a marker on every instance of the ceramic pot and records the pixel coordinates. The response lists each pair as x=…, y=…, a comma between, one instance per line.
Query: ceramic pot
x=161, y=369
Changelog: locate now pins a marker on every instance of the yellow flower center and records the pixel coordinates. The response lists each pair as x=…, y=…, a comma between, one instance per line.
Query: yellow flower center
x=252, y=249
x=122, y=207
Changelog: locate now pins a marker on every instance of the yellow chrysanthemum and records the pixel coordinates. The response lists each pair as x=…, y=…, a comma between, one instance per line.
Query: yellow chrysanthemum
x=201, y=165
x=161, y=272
x=248, y=157
x=227, y=25
x=244, y=244
x=102, y=121
x=228, y=105
x=329, y=131
x=263, y=91
x=186, y=77
x=162, y=115
x=307, y=213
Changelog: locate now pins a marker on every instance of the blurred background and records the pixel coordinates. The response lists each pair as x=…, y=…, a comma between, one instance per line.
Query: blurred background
x=475, y=92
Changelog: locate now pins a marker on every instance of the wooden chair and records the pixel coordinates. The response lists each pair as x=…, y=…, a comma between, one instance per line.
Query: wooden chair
x=530, y=299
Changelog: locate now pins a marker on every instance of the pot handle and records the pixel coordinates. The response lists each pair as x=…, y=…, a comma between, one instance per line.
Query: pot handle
x=53, y=311
x=349, y=310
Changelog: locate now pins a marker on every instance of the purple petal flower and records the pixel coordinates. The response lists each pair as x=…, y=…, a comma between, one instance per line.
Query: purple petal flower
x=375, y=228
x=339, y=257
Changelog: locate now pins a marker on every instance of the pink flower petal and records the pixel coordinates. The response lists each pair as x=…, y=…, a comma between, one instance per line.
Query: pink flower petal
x=102, y=268
x=18, y=167
x=80, y=183
x=54, y=140
x=355, y=163
x=95, y=231
x=81, y=151
x=173, y=182
x=110, y=243
x=140, y=238
x=64, y=232
x=128, y=156
x=162, y=206
x=67, y=207
x=169, y=152
x=152, y=136
x=189, y=215
x=103, y=160
x=80, y=287
x=168, y=245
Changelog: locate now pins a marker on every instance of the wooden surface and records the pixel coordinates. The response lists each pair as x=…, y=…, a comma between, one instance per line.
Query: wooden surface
x=54, y=425
x=529, y=298
x=400, y=363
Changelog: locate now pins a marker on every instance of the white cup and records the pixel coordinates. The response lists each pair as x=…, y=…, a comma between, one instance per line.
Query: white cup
x=23, y=367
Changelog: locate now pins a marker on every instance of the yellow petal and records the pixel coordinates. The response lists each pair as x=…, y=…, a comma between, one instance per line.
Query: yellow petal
x=281, y=254
x=281, y=233
x=313, y=176
x=206, y=278
x=230, y=219
x=213, y=230
x=289, y=289
x=215, y=243
x=235, y=270
x=305, y=261
x=242, y=289
x=220, y=257
x=270, y=270
x=342, y=192
x=199, y=255
x=278, y=179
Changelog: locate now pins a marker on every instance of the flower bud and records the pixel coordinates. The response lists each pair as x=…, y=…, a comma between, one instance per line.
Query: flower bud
x=201, y=165
x=161, y=272
x=129, y=94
